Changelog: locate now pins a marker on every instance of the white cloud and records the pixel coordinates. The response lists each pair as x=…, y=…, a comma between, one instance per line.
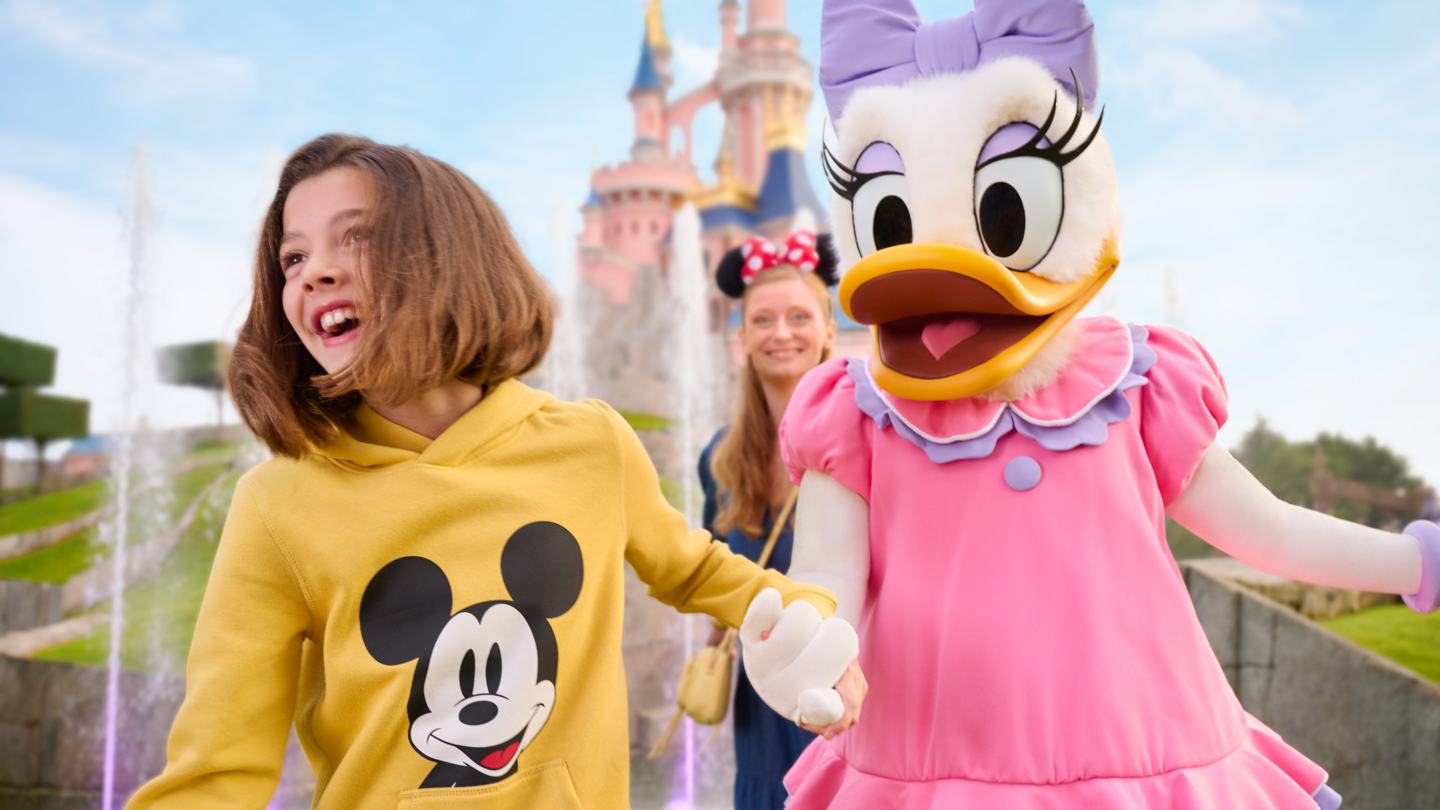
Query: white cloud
x=139, y=48
x=1213, y=20
x=694, y=64
x=1173, y=83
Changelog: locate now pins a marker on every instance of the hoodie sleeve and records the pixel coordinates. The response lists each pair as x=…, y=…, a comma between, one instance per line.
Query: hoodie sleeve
x=228, y=741
x=684, y=568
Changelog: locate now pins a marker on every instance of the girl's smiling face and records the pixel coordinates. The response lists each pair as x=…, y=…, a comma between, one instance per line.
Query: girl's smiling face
x=784, y=330
x=320, y=255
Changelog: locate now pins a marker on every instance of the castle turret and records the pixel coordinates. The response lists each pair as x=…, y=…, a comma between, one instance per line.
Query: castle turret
x=593, y=211
x=729, y=18
x=766, y=14
x=647, y=97
x=764, y=67
x=630, y=206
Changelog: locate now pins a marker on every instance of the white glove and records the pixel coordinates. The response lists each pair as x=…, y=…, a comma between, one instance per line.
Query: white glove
x=796, y=668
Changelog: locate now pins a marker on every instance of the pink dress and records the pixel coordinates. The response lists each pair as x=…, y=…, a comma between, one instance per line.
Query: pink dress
x=1027, y=637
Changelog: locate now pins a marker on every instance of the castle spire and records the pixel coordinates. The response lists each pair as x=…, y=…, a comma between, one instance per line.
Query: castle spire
x=655, y=26
x=647, y=75
x=784, y=123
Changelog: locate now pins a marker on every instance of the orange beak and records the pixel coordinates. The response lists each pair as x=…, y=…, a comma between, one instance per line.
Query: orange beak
x=949, y=322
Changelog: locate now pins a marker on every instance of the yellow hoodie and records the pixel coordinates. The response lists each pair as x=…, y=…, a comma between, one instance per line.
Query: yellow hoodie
x=441, y=620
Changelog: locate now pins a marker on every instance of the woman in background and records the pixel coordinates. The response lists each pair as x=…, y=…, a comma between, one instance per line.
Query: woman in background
x=787, y=328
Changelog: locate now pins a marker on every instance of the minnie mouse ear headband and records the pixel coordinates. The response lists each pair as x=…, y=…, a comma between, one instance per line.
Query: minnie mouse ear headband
x=803, y=250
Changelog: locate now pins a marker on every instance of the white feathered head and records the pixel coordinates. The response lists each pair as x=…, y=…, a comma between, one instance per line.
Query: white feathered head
x=976, y=208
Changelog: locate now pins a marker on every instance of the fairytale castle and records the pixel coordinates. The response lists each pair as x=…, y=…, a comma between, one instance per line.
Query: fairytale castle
x=764, y=88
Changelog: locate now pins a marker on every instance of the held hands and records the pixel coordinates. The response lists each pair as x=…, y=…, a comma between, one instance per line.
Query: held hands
x=801, y=665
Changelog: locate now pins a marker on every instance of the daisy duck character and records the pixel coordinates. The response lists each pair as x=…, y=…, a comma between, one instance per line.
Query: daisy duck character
x=987, y=493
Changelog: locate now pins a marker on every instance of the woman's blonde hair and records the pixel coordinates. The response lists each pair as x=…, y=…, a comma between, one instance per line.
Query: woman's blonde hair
x=743, y=461
x=447, y=293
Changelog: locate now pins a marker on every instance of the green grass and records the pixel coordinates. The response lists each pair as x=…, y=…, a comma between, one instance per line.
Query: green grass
x=74, y=554
x=160, y=613
x=1396, y=632
x=185, y=487
x=645, y=421
x=58, y=563
x=209, y=448
x=40, y=511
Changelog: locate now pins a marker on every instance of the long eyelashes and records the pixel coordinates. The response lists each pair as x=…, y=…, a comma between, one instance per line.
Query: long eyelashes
x=846, y=181
x=1053, y=152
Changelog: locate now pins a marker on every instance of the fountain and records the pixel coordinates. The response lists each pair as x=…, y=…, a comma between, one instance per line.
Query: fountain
x=563, y=372
x=138, y=232
x=692, y=384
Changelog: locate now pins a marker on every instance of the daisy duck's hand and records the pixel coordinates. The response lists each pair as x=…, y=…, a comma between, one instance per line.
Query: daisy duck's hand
x=1427, y=598
x=795, y=660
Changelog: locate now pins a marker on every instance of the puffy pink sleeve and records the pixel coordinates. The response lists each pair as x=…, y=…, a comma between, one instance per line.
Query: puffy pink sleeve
x=1183, y=405
x=824, y=430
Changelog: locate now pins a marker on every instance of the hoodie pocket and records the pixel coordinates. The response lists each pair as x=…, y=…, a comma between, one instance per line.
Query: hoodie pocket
x=541, y=787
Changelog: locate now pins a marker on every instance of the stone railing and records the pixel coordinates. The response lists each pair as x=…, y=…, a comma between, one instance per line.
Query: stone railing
x=1371, y=723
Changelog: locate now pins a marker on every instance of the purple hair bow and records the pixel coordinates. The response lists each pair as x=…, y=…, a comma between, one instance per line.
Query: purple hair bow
x=869, y=43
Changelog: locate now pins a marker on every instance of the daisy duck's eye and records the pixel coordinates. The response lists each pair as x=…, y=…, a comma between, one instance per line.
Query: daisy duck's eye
x=1019, y=200
x=879, y=197
x=1018, y=205
x=1019, y=187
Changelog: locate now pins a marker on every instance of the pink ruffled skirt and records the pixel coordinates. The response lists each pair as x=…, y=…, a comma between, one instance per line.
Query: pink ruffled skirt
x=1262, y=772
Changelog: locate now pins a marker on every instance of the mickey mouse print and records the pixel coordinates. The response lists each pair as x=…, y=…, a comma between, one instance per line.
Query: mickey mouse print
x=484, y=682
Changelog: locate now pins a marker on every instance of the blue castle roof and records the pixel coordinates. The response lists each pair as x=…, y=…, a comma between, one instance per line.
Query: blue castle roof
x=646, y=76
x=787, y=188
x=722, y=215
x=593, y=199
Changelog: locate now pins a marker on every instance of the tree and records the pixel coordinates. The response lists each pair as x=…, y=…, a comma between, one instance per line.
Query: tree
x=25, y=413
x=198, y=365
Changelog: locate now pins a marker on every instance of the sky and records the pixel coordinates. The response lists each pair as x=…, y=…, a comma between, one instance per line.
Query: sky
x=1274, y=158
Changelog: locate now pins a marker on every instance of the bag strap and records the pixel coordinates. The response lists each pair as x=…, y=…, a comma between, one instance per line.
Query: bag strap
x=728, y=642
x=779, y=526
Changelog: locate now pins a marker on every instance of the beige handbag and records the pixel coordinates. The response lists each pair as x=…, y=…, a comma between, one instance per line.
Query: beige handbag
x=704, y=691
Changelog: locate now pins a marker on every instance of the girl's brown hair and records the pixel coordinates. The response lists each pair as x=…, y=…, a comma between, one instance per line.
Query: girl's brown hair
x=446, y=293
x=743, y=461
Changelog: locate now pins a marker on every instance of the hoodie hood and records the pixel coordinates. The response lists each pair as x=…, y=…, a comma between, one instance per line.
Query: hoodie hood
x=367, y=441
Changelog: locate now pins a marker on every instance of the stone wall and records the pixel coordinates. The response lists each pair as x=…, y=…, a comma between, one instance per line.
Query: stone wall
x=24, y=605
x=52, y=732
x=1371, y=723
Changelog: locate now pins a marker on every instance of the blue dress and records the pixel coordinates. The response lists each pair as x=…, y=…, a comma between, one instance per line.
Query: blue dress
x=766, y=744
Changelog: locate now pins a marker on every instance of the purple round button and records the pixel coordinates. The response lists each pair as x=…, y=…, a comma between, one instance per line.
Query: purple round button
x=1022, y=473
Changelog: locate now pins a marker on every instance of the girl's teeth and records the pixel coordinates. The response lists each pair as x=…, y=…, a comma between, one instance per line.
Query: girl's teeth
x=332, y=321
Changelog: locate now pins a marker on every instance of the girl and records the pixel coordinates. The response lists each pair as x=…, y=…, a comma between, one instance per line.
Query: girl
x=427, y=580
x=787, y=327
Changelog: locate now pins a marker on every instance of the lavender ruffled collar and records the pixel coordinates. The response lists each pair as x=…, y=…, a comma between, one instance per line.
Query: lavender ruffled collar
x=1088, y=426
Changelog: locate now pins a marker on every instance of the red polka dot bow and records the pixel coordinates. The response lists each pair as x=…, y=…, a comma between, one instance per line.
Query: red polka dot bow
x=760, y=255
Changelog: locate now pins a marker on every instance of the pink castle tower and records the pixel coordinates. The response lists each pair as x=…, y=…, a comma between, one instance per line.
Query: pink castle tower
x=629, y=210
